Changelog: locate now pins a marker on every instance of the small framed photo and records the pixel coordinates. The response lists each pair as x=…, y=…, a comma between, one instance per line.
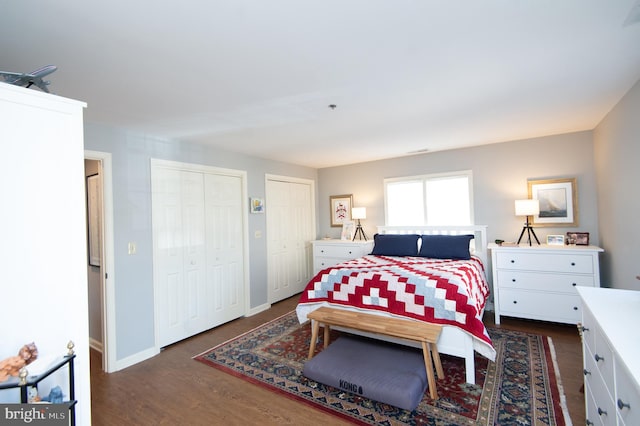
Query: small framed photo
x=555, y=240
x=348, y=230
x=340, y=206
x=578, y=238
x=257, y=205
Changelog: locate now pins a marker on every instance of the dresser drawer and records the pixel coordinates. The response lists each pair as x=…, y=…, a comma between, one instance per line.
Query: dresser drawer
x=549, y=262
x=600, y=409
x=338, y=251
x=565, y=308
x=321, y=263
x=627, y=396
x=563, y=283
x=603, y=356
x=589, y=326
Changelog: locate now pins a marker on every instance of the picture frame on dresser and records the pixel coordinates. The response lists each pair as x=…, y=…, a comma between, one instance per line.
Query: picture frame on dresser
x=348, y=230
x=340, y=209
x=578, y=238
x=558, y=201
x=555, y=240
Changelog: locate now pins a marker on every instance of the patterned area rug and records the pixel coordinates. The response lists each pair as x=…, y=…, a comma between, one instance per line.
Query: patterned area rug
x=520, y=388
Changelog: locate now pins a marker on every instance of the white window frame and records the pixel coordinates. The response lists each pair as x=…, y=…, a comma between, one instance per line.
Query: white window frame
x=424, y=178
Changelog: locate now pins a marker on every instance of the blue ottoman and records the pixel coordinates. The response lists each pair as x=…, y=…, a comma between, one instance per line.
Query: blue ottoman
x=385, y=372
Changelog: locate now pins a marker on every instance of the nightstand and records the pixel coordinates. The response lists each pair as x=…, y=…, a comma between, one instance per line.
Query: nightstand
x=331, y=252
x=539, y=282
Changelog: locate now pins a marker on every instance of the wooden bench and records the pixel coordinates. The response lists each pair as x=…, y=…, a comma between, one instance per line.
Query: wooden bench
x=426, y=334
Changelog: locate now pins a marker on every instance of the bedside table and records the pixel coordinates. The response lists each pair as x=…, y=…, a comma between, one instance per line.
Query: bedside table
x=331, y=252
x=539, y=282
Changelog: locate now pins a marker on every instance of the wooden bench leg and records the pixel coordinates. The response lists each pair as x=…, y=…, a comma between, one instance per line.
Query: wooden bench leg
x=315, y=328
x=428, y=365
x=436, y=359
x=327, y=330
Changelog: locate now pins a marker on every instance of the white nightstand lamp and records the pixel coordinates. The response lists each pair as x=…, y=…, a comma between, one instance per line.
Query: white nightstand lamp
x=527, y=208
x=359, y=213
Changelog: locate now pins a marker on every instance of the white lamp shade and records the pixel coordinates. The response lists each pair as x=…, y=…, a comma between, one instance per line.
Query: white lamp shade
x=359, y=213
x=527, y=207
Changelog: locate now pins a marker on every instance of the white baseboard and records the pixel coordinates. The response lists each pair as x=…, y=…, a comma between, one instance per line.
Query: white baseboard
x=94, y=344
x=258, y=309
x=135, y=358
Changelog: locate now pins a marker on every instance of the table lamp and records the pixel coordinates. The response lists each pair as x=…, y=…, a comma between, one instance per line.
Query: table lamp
x=527, y=208
x=359, y=213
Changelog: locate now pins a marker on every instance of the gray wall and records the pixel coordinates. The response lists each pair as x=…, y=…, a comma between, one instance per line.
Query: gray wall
x=617, y=153
x=131, y=154
x=500, y=173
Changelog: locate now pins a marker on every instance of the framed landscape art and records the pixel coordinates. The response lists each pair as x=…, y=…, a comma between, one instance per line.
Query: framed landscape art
x=558, y=201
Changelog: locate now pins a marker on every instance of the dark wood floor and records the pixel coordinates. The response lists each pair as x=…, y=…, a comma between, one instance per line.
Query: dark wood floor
x=173, y=389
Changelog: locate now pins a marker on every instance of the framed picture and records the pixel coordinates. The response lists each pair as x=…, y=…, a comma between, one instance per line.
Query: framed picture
x=555, y=240
x=340, y=206
x=348, y=230
x=578, y=238
x=257, y=205
x=93, y=219
x=558, y=201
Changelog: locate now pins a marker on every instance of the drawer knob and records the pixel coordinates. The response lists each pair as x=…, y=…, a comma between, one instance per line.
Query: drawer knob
x=583, y=328
x=573, y=263
x=598, y=358
x=601, y=411
x=574, y=284
x=321, y=251
x=515, y=302
x=575, y=308
x=589, y=422
x=513, y=280
x=513, y=261
x=350, y=251
x=622, y=405
x=586, y=372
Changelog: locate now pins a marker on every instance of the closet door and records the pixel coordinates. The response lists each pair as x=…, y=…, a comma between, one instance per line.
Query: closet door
x=290, y=228
x=179, y=254
x=225, y=248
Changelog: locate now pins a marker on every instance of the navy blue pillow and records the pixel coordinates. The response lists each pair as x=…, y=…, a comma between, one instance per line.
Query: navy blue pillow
x=446, y=246
x=395, y=245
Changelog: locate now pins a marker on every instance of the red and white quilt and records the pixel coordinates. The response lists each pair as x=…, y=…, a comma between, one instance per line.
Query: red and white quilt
x=441, y=291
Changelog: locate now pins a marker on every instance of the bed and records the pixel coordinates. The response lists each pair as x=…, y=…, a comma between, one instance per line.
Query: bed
x=440, y=281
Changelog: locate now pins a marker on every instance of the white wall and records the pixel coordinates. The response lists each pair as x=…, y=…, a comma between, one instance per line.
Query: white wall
x=131, y=155
x=500, y=173
x=617, y=153
x=43, y=254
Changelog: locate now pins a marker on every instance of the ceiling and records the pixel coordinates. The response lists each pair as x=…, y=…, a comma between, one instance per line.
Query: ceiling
x=258, y=76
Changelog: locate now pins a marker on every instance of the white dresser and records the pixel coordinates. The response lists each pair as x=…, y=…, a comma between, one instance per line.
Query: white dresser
x=611, y=350
x=330, y=252
x=539, y=282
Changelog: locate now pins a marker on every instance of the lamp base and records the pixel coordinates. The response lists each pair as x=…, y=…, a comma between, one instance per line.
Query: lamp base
x=527, y=227
x=359, y=232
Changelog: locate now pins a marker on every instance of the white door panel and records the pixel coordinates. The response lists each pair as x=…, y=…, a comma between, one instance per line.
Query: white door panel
x=290, y=228
x=199, y=249
x=225, y=248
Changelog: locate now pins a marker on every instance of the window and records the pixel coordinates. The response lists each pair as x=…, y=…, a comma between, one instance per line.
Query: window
x=437, y=199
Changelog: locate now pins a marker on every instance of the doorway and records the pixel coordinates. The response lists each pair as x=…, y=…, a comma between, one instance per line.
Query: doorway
x=100, y=246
